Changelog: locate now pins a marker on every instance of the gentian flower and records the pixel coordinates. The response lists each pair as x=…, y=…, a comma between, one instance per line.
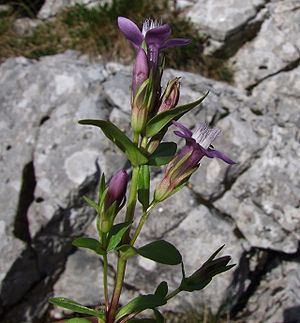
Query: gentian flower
x=186, y=161
x=155, y=36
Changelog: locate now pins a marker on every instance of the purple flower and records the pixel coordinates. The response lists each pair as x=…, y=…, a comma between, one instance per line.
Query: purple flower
x=201, y=141
x=155, y=36
x=116, y=189
x=186, y=161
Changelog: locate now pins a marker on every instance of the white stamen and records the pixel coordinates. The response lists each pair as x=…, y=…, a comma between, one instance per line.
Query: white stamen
x=148, y=25
x=204, y=135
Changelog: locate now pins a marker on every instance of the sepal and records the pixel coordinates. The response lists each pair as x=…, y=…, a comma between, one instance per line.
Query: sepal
x=204, y=275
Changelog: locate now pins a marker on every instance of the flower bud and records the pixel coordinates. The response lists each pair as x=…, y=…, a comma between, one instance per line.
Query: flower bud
x=140, y=108
x=178, y=171
x=116, y=189
x=171, y=96
x=140, y=71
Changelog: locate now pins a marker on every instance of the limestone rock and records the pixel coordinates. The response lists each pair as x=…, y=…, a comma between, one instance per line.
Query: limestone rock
x=276, y=298
x=251, y=206
x=220, y=19
x=52, y=7
x=274, y=49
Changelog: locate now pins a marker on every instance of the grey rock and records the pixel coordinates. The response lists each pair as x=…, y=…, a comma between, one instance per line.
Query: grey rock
x=274, y=49
x=222, y=18
x=5, y=9
x=276, y=298
x=252, y=205
x=43, y=187
x=261, y=199
x=25, y=26
x=52, y=7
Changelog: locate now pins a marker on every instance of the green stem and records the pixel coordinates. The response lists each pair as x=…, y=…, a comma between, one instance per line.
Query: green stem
x=132, y=197
x=141, y=223
x=105, y=270
x=174, y=293
x=117, y=291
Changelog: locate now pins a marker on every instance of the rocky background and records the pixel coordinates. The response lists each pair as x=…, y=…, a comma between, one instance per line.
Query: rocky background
x=48, y=162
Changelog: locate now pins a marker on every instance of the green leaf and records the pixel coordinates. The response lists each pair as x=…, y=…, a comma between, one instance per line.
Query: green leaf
x=158, y=316
x=139, y=304
x=69, y=304
x=163, y=154
x=102, y=187
x=91, y=203
x=77, y=320
x=116, y=234
x=89, y=243
x=144, y=185
x=161, y=251
x=162, y=289
x=118, y=137
x=159, y=121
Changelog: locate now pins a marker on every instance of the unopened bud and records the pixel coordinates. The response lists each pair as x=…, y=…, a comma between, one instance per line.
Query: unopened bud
x=140, y=108
x=116, y=189
x=140, y=71
x=171, y=95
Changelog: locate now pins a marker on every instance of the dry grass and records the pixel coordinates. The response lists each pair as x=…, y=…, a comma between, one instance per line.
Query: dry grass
x=94, y=32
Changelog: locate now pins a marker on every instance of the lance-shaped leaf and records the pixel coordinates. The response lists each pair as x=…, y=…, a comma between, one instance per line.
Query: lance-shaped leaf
x=116, y=234
x=163, y=154
x=203, y=276
x=91, y=203
x=158, y=316
x=140, y=304
x=118, y=137
x=69, y=304
x=89, y=243
x=162, y=252
x=158, y=122
x=144, y=186
x=102, y=187
x=162, y=289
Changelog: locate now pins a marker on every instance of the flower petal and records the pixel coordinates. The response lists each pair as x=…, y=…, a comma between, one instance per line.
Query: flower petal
x=204, y=135
x=218, y=154
x=185, y=132
x=140, y=70
x=157, y=36
x=175, y=42
x=131, y=31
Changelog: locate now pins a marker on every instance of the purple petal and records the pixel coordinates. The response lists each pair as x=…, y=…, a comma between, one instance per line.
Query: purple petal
x=186, y=133
x=175, y=42
x=218, y=154
x=131, y=31
x=140, y=70
x=157, y=36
